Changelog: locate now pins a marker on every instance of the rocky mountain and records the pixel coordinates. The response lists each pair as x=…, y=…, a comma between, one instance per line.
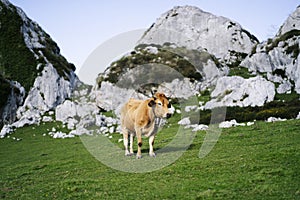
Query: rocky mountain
x=278, y=57
x=193, y=28
x=34, y=76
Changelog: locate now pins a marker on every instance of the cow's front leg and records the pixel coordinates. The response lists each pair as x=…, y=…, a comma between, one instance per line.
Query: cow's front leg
x=151, y=143
x=140, y=143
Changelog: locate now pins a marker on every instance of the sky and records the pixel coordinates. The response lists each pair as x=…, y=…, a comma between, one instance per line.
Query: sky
x=79, y=27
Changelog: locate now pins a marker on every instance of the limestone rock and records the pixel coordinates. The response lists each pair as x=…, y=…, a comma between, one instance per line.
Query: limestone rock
x=194, y=28
x=292, y=22
x=237, y=91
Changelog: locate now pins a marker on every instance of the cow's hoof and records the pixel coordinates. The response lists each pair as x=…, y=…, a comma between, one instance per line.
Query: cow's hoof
x=138, y=156
x=152, y=155
x=129, y=154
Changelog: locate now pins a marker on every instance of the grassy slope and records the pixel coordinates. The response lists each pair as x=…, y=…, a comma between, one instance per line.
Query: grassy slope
x=257, y=162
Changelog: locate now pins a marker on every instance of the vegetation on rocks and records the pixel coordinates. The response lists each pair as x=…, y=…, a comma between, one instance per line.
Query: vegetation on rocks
x=187, y=62
x=17, y=62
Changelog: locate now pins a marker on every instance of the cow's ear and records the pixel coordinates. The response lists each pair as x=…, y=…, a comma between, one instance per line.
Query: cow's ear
x=151, y=103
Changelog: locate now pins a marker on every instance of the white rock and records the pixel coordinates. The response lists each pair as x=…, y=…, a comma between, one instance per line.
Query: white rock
x=71, y=123
x=151, y=49
x=185, y=121
x=5, y=131
x=65, y=111
x=250, y=123
x=237, y=91
x=200, y=127
x=190, y=108
x=49, y=90
x=284, y=87
x=193, y=28
x=47, y=119
x=111, y=97
x=60, y=134
x=228, y=124
x=275, y=119
x=277, y=58
x=80, y=131
x=103, y=129
x=291, y=23
x=120, y=140
x=111, y=129
x=178, y=88
x=298, y=116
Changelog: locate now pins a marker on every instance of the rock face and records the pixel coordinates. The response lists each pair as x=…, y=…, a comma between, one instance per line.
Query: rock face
x=40, y=78
x=291, y=23
x=237, y=91
x=279, y=57
x=14, y=100
x=49, y=91
x=193, y=28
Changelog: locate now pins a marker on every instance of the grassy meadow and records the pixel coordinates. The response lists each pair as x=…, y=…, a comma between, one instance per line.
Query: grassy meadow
x=256, y=162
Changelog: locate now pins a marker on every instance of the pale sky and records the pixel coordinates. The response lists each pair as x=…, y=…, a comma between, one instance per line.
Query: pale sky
x=80, y=26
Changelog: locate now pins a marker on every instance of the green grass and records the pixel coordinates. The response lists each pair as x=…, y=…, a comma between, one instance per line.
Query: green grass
x=257, y=162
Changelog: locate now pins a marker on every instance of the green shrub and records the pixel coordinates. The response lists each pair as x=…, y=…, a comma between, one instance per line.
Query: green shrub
x=173, y=58
x=16, y=60
x=294, y=50
x=274, y=43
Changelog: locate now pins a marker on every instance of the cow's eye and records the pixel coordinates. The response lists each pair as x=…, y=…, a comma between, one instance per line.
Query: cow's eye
x=159, y=103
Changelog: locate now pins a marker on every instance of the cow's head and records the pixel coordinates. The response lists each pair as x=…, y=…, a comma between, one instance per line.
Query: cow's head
x=160, y=105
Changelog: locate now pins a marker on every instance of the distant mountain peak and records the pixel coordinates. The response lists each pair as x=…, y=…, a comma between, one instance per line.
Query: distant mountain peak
x=291, y=23
x=191, y=27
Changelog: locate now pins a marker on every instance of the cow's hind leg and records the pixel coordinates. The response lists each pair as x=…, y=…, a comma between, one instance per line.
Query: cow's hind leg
x=131, y=143
x=125, y=141
x=140, y=143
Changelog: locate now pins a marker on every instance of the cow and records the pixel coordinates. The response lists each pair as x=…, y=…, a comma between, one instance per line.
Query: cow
x=142, y=117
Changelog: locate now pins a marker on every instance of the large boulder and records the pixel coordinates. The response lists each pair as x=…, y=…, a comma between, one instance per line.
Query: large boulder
x=237, y=91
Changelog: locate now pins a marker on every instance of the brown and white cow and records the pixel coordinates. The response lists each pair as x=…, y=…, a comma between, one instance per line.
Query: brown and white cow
x=140, y=117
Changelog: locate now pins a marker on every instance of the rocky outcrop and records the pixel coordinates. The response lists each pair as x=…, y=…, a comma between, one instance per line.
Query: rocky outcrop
x=291, y=23
x=49, y=91
x=237, y=91
x=14, y=100
x=41, y=78
x=194, y=28
x=279, y=57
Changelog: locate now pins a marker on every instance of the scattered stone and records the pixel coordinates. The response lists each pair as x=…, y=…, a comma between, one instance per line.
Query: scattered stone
x=231, y=123
x=275, y=119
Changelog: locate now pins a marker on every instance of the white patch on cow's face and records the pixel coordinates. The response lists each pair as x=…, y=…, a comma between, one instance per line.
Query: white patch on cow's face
x=161, y=109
